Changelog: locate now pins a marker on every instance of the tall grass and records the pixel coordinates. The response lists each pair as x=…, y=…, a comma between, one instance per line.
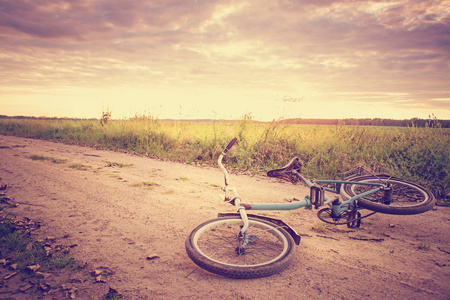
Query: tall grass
x=418, y=154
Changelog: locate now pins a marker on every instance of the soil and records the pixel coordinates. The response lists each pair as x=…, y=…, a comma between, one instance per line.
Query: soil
x=130, y=215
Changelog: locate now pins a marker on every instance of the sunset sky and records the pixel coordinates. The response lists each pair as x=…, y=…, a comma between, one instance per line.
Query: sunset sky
x=222, y=59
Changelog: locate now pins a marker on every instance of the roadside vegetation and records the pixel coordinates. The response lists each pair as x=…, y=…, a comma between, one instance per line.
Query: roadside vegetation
x=419, y=154
x=52, y=159
x=34, y=267
x=27, y=259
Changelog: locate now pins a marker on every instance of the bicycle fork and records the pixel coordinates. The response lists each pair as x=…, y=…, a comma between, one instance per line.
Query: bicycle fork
x=242, y=236
x=242, y=212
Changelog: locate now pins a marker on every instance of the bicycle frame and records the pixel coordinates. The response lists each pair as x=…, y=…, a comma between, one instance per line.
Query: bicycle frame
x=306, y=202
x=317, y=196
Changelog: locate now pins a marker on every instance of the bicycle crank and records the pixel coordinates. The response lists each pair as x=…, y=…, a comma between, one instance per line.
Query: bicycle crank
x=350, y=218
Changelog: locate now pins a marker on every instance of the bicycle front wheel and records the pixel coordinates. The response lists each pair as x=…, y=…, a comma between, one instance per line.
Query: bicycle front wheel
x=216, y=247
x=407, y=198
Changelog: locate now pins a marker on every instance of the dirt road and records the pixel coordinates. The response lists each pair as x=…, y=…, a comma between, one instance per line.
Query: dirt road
x=132, y=214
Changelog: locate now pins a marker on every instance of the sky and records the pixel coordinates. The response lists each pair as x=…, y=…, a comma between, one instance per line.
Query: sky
x=225, y=59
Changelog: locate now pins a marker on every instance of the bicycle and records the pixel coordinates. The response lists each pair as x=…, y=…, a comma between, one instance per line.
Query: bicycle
x=243, y=245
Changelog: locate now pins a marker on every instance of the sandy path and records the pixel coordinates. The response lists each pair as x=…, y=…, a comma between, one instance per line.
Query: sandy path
x=117, y=223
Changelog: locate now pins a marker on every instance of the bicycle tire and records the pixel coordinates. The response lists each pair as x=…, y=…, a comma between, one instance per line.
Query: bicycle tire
x=407, y=198
x=212, y=246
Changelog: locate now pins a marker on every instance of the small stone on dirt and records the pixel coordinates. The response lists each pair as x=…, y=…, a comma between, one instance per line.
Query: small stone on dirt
x=152, y=256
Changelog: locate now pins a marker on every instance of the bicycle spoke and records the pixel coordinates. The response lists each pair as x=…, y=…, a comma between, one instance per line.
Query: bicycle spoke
x=221, y=243
x=401, y=195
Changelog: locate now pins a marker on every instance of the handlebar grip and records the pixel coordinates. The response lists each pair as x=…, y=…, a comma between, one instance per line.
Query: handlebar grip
x=230, y=144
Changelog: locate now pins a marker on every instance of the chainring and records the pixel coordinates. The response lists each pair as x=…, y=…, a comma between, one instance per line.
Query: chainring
x=348, y=217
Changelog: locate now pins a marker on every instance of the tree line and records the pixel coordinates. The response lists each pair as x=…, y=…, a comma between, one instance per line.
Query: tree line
x=431, y=122
x=373, y=122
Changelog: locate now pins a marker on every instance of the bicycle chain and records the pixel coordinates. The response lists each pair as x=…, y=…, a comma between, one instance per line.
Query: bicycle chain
x=340, y=223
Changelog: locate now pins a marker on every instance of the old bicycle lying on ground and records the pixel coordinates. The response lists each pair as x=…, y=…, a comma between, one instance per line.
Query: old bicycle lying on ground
x=242, y=245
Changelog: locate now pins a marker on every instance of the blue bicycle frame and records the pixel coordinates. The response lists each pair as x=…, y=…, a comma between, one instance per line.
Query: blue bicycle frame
x=334, y=203
x=317, y=197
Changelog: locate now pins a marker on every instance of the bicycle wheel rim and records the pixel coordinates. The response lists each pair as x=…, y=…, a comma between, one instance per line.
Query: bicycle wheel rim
x=407, y=197
x=216, y=241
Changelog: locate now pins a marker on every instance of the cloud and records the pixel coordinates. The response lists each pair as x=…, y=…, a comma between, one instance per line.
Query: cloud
x=301, y=48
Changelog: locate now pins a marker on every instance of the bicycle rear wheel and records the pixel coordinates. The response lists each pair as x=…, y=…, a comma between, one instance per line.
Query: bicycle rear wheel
x=407, y=198
x=215, y=247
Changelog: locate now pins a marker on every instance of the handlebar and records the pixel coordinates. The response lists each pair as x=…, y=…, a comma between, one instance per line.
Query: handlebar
x=235, y=201
x=228, y=147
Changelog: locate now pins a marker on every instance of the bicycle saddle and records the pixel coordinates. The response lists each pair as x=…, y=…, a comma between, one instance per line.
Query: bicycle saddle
x=286, y=171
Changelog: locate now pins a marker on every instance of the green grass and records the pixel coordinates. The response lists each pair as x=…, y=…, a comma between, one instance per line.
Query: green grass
x=116, y=164
x=61, y=261
x=423, y=245
x=114, y=295
x=52, y=159
x=147, y=184
x=417, y=154
x=319, y=228
x=19, y=248
x=80, y=167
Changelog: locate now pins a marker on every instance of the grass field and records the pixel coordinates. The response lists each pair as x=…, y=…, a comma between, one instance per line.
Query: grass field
x=417, y=154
